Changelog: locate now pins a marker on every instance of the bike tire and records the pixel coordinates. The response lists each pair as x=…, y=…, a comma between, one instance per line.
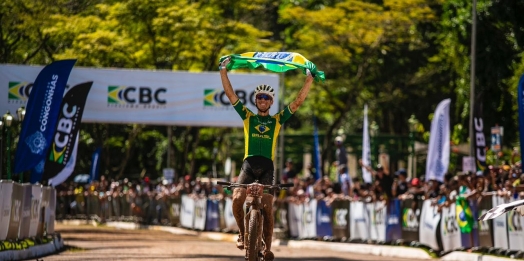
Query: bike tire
x=254, y=224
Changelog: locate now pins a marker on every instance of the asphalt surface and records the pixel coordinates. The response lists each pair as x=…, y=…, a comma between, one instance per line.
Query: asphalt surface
x=104, y=243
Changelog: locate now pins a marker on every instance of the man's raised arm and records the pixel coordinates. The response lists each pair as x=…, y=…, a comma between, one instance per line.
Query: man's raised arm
x=302, y=94
x=226, y=84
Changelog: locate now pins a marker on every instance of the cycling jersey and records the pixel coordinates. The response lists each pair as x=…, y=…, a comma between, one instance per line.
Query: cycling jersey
x=261, y=132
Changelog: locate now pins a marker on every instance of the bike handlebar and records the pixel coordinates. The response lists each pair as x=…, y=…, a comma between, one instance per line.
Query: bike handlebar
x=280, y=186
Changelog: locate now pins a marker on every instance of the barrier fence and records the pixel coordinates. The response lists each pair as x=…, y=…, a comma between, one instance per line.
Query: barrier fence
x=26, y=211
x=29, y=211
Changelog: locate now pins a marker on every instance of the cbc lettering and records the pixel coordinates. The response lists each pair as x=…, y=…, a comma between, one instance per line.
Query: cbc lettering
x=65, y=125
x=481, y=140
x=242, y=96
x=143, y=95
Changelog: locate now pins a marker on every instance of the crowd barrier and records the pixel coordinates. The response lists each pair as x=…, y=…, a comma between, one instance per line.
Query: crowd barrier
x=407, y=220
x=26, y=211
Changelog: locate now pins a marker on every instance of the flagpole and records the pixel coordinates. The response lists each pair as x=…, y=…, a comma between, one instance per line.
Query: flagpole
x=472, y=78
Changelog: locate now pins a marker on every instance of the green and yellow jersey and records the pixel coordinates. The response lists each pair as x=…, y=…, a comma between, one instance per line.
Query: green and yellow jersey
x=261, y=132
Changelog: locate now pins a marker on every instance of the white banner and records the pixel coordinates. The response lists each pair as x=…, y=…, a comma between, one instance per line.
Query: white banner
x=25, y=221
x=36, y=198
x=515, y=232
x=438, y=149
x=358, y=221
x=295, y=218
x=188, y=210
x=200, y=214
x=449, y=228
x=366, y=148
x=145, y=96
x=6, y=190
x=429, y=219
x=231, y=223
x=500, y=229
x=377, y=214
x=309, y=221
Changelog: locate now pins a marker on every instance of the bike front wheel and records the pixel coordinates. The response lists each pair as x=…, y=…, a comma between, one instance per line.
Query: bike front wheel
x=254, y=232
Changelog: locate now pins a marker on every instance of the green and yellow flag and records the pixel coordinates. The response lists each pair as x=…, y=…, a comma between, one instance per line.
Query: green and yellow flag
x=274, y=61
x=464, y=215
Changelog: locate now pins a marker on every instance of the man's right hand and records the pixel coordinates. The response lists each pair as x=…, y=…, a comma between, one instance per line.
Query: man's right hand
x=224, y=63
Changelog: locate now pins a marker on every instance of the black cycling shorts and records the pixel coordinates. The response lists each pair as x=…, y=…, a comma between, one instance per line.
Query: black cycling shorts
x=256, y=168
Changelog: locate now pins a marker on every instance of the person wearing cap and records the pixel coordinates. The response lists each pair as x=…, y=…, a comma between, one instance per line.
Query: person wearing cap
x=381, y=175
x=260, y=134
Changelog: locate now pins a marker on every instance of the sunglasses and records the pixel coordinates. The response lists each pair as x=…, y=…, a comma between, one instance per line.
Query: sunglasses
x=264, y=96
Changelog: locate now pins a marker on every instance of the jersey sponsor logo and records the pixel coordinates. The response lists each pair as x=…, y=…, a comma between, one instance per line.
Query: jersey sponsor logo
x=218, y=98
x=256, y=135
x=136, y=97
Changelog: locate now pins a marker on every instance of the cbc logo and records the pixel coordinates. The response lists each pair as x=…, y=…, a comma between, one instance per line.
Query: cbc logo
x=120, y=95
x=217, y=97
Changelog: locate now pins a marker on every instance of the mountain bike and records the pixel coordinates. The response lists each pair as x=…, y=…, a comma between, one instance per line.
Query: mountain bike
x=254, y=218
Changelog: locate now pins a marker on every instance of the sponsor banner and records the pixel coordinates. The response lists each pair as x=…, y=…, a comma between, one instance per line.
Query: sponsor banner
x=366, y=148
x=358, y=221
x=515, y=232
x=295, y=220
x=411, y=219
x=429, y=220
x=199, y=222
x=520, y=101
x=44, y=205
x=188, y=211
x=393, y=226
x=485, y=228
x=175, y=205
x=36, y=199
x=95, y=164
x=500, y=228
x=449, y=228
x=16, y=211
x=6, y=192
x=439, y=145
x=62, y=152
x=340, y=210
x=324, y=214
x=145, y=96
x=377, y=220
x=25, y=222
x=42, y=109
x=229, y=218
x=212, y=222
x=309, y=224
x=480, y=138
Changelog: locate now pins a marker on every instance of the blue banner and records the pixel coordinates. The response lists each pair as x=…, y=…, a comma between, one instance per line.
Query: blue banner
x=316, y=151
x=521, y=117
x=95, y=163
x=43, y=107
x=393, y=217
x=212, y=221
x=323, y=219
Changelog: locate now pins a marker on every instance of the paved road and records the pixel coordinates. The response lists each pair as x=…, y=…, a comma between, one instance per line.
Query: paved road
x=103, y=243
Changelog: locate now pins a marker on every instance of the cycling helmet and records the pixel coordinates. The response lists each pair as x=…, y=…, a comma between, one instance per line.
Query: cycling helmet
x=266, y=89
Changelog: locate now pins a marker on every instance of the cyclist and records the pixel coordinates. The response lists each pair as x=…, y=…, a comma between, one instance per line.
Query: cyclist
x=260, y=134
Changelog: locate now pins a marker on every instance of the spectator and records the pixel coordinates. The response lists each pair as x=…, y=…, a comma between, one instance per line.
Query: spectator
x=289, y=173
x=400, y=186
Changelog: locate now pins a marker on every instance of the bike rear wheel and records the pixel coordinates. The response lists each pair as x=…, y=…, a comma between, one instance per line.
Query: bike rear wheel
x=253, y=235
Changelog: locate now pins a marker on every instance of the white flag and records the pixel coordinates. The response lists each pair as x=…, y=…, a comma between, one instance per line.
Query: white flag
x=68, y=170
x=438, y=149
x=366, y=151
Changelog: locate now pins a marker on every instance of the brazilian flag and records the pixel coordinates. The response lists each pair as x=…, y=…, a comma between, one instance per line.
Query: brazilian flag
x=464, y=215
x=274, y=61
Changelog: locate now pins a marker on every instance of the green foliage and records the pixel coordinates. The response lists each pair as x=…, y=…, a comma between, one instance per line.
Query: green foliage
x=399, y=57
